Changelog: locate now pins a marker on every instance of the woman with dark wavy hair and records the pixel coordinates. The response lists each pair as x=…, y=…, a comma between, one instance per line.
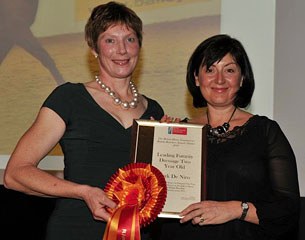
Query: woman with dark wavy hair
x=252, y=182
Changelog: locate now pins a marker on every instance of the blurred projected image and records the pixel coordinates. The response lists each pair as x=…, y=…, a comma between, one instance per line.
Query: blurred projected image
x=42, y=45
x=16, y=18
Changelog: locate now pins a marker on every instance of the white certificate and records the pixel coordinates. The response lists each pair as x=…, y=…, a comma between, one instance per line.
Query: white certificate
x=178, y=150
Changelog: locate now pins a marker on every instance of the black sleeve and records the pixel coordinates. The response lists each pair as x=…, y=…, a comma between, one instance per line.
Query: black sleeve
x=279, y=213
x=59, y=101
x=154, y=109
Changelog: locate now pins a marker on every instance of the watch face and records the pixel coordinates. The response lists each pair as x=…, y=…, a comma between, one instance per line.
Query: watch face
x=245, y=205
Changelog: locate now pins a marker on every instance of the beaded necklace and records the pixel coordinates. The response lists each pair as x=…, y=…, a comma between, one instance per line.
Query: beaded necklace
x=116, y=100
x=220, y=130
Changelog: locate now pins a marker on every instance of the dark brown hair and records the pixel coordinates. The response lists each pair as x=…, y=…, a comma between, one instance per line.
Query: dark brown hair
x=212, y=50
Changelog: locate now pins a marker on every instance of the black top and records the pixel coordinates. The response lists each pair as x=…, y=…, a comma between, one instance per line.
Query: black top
x=253, y=163
x=95, y=145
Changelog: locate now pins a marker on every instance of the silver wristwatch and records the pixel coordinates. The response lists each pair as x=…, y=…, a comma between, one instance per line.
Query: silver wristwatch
x=245, y=208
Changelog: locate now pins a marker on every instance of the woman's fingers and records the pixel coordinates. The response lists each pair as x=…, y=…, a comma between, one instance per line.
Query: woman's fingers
x=169, y=119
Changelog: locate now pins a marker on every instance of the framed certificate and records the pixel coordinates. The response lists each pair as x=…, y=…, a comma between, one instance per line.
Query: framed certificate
x=178, y=150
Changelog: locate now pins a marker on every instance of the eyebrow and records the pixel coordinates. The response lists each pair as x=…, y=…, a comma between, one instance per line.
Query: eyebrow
x=231, y=63
x=103, y=35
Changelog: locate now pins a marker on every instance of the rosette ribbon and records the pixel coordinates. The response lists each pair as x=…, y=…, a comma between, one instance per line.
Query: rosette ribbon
x=139, y=189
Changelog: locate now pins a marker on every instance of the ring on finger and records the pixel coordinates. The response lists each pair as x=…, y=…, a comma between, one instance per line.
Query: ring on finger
x=201, y=219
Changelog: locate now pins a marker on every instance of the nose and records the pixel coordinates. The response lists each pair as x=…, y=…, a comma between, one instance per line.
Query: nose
x=121, y=48
x=220, y=78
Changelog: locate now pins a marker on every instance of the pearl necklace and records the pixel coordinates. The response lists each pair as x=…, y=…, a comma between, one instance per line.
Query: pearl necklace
x=220, y=130
x=116, y=100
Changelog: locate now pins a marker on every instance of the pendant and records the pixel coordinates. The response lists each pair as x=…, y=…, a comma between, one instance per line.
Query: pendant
x=219, y=130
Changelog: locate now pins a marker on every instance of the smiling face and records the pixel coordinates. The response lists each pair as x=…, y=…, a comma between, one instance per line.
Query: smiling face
x=118, y=51
x=220, y=82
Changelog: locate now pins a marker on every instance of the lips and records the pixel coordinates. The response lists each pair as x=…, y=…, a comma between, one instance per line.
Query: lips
x=121, y=62
x=219, y=90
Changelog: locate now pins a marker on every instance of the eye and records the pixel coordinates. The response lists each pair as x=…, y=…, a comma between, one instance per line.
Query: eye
x=209, y=70
x=131, y=39
x=231, y=70
x=109, y=40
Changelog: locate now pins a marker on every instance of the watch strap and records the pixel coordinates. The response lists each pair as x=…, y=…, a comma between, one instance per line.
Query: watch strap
x=245, y=208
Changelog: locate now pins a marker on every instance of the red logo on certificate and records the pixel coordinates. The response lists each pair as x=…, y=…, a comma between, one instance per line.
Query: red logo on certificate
x=177, y=130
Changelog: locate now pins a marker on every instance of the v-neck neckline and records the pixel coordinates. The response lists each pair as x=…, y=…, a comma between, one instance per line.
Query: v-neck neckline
x=108, y=114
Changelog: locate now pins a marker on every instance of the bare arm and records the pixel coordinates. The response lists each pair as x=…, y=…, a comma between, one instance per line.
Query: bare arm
x=22, y=173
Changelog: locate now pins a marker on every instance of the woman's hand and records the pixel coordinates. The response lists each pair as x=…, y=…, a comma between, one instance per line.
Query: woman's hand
x=169, y=119
x=97, y=201
x=211, y=212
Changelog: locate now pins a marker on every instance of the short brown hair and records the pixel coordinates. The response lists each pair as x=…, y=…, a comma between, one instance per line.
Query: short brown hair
x=105, y=15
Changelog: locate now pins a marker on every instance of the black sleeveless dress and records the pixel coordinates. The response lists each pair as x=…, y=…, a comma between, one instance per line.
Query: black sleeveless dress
x=95, y=145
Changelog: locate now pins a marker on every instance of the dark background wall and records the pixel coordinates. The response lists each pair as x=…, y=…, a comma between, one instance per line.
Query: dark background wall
x=25, y=217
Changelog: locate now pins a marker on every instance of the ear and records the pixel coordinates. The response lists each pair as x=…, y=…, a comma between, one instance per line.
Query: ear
x=196, y=80
x=94, y=53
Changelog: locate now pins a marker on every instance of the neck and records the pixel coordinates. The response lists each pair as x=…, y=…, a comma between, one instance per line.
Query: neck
x=216, y=116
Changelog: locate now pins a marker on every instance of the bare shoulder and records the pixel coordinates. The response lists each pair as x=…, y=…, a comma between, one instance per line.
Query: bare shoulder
x=245, y=115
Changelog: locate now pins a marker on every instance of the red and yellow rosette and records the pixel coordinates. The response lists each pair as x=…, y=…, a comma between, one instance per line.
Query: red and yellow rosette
x=140, y=191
